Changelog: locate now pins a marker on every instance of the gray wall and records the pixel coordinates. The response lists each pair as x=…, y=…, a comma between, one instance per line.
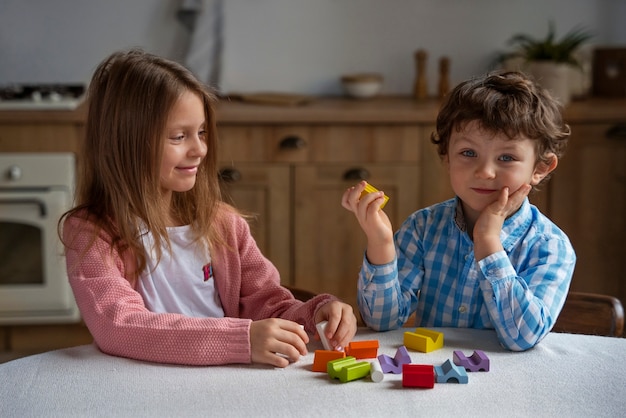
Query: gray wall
x=300, y=46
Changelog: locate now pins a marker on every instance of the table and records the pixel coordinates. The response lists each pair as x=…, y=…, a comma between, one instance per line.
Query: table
x=564, y=376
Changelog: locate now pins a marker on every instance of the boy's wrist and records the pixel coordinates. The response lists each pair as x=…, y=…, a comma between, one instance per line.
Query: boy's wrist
x=379, y=254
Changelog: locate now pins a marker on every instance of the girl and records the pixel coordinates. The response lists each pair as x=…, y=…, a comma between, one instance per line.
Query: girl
x=162, y=270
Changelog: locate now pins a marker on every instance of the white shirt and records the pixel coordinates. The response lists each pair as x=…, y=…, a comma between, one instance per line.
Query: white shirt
x=182, y=282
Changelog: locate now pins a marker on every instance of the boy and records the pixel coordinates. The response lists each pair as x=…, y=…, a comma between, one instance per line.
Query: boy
x=486, y=258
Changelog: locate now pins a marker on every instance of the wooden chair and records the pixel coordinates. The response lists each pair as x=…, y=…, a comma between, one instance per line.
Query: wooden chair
x=300, y=294
x=591, y=313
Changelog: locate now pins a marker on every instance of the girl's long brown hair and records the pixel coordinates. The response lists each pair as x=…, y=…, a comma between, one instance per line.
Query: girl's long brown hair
x=118, y=187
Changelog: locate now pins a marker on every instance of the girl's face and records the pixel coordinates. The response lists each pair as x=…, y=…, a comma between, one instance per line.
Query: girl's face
x=481, y=163
x=184, y=144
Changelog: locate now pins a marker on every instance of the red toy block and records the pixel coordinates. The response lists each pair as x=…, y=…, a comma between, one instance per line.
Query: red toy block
x=418, y=376
x=322, y=357
x=363, y=349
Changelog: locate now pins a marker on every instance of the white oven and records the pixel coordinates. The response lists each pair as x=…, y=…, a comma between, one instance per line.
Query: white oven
x=35, y=189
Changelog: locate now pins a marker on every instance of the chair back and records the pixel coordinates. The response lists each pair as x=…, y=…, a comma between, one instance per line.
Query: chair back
x=591, y=313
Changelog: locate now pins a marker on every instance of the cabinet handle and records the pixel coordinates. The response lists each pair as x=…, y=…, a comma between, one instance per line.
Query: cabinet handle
x=292, y=142
x=229, y=175
x=356, y=174
x=617, y=132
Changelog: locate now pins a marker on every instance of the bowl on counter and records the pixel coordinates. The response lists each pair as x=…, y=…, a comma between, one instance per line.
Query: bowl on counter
x=362, y=85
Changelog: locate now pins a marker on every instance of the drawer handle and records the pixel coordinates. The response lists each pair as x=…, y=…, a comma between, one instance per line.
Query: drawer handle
x=356, y=174
x=292, y=142
x=616, y=132
x=229, y=175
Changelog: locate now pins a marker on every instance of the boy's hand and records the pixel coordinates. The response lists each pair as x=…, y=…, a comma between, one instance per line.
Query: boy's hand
x=374, y=222
x=341, y=326
x=274, y=336
x=487, y=229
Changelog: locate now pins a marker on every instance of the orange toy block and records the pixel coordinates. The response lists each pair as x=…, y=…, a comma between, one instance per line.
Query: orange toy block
x=363, y=349
x=423, y=340
x=322, y=357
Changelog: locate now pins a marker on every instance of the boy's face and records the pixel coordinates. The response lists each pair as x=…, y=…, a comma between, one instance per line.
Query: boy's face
x=481, y=163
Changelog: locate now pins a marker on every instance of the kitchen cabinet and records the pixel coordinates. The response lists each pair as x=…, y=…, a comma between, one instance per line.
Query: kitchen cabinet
x=321, y=151
x=287, y=167
x=588, y=201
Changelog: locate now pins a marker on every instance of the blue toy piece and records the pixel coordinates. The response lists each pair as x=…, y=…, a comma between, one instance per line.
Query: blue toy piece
x=477, y=362
x=449, y=372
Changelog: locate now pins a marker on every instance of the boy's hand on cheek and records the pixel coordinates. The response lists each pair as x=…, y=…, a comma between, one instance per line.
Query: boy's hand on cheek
x=487, y=229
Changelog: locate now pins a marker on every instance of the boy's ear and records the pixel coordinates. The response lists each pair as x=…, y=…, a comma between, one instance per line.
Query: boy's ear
x=542, y=169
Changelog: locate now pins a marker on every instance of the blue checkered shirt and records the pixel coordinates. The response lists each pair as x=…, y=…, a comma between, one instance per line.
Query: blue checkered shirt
x=519, y=292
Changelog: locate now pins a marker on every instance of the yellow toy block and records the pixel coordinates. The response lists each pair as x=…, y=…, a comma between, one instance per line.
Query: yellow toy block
x=423, y=340
x=371, y=189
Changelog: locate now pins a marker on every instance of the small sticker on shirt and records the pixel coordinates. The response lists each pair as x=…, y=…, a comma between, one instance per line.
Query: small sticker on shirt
x=207, y=270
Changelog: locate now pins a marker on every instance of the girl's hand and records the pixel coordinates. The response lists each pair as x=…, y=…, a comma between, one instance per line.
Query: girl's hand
x=341, y=326
x=269, y=338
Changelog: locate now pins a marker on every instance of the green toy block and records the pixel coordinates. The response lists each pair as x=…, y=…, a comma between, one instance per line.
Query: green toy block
x=423, y=340
x=347, y=369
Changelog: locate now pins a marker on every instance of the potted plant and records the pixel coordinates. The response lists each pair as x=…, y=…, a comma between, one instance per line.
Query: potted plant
x=549, y=60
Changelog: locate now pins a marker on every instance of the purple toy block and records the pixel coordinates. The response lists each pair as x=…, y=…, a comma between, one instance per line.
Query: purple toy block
x=477, y=362
x=394, y=365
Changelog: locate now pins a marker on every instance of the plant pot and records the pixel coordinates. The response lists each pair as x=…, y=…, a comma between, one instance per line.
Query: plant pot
x=553, y=77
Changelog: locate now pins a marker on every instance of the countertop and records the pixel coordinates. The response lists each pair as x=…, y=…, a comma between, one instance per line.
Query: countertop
x=391, y=110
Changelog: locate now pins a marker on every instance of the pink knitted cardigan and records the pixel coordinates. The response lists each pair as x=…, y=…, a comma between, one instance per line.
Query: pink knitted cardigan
x=248, y=285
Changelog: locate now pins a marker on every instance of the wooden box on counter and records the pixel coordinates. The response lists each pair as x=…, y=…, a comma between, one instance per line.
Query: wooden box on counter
x=289, y=166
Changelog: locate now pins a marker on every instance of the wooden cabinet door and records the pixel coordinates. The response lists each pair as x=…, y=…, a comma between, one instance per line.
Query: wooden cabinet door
x=329, y=243
x=262, y=192
x=588, y=201
x=49, y=137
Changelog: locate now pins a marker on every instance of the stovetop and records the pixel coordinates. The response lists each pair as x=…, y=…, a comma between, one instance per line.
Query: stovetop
x=41, y=96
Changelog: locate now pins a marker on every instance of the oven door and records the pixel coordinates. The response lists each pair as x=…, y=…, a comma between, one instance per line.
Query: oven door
x=33, y=282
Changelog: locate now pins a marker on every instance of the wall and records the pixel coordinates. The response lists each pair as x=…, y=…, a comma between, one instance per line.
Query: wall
x=290, y=45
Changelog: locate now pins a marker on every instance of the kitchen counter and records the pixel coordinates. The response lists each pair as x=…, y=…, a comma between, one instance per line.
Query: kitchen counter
x=390, y=109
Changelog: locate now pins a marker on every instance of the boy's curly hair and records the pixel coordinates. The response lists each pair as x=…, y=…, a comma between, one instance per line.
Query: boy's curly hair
x=504, y=102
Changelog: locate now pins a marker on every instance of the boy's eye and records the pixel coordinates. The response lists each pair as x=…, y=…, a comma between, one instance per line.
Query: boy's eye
x=507, y=158
x=468, y=153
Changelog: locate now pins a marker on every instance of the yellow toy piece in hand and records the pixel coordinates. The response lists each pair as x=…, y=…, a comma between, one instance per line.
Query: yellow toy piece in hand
x=371, y=189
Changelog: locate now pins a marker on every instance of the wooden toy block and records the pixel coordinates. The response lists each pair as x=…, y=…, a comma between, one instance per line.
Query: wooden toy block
x=449, y=372
x=363, y=349
x=371, y=189
x=477, y=362
x=423, y=340
x=347, y=369
x=321, y=329
x=394, y=365
x=418, y=376
x=322, y=357
x=376, y=372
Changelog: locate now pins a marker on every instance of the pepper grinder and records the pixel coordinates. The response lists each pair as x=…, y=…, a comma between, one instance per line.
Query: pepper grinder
x=420, y=89
x=444, y=76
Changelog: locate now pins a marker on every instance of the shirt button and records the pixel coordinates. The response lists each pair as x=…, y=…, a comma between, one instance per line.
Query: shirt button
x=462, y=309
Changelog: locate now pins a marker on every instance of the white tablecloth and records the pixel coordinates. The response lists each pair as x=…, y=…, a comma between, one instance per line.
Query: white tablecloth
x=564, y=376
